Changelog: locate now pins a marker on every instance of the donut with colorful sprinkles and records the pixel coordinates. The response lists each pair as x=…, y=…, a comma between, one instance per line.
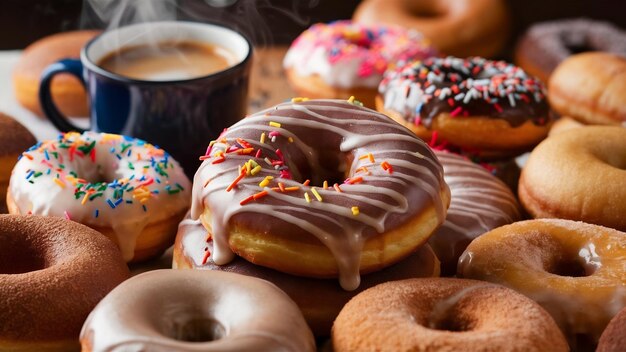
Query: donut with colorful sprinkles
x=487, y=108
x=319, y=188
x=131, y=191
x=343, y=59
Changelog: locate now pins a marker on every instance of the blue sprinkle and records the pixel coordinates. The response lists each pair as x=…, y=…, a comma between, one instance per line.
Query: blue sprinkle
x=118, y=156
x=111, y=204
x=30, y=174
x=418, y=109
x=156, y=191
x=144, y=208
x=117, y=202
x=48, y=172
x=128, y=154
x=157, y=180
x=112, y=150
x=131, y=177
x=45, y=153
x=97, y=212
x=129, y=201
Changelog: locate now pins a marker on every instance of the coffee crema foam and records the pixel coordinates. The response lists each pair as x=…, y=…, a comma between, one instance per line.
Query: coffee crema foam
x=168, y=61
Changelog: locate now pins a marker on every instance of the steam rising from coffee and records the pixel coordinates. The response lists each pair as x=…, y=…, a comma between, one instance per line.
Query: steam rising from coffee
x=249, y=17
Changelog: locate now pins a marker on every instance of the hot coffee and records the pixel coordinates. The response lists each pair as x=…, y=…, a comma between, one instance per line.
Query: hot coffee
x=168, y=61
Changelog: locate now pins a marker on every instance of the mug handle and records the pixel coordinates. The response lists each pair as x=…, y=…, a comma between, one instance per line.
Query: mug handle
x=71, y=66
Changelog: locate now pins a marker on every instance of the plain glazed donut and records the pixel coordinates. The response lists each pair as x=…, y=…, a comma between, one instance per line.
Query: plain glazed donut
x=320, y=188
x=460, y=27
x=444, y=315
x=545, y=45
x=320, y=300
x=67, y=92
x=563, y=124
x=196, y=310
x=578, y=175
x=574, y=270
x=490, y=109
x=131, y=191
x=343, y=59
x=14, y=139
x=613, y=338
x=479, y=203
x=52, y=273
x=591, y=88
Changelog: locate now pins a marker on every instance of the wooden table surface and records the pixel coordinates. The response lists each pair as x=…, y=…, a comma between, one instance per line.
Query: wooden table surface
x=268, y=85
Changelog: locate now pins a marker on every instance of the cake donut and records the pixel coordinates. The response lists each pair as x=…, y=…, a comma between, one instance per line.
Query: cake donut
x=343, y=59
x=319, y=188
x=590, y=88
x=461, y=28
x=131, y=191
x=487, y=108
x=567, y=178
x=53, y=272
x=196, y=310
x=320, y=300
x=14, y=139
x=545, y=45
x=67, y=91
x=561, y=264
x=613, y=338
x=479, y=203
x=444, y=314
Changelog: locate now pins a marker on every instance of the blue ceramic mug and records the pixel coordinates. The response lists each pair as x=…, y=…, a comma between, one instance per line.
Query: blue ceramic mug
x=180, y=116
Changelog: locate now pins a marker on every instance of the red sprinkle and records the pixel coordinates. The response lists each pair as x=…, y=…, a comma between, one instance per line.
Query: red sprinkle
x=207, y=254
x=234, y=183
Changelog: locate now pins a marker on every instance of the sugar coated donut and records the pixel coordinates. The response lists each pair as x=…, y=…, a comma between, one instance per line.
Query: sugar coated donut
x=68, y=93
x=574, y=270
x=563, y=124
x=479, y=203
x=461, y=27
x=320, y=188
x=14, y=139
x=613, y=338
x=52, y=273
x=320, y=300
x=444, y=314
x=545, y=45
x=343, y=59
x=129, y=190
x=196, y=310
x=578, y=175
x=488, y=108
x=591, y=88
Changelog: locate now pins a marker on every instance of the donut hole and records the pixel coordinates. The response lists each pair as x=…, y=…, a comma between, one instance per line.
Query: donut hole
x=19, y=256
x=196, y=329
x=331, y=167
x=91, y=174
x=571, y=268
x=577, y=48
x=451, y=323
x=425, y=9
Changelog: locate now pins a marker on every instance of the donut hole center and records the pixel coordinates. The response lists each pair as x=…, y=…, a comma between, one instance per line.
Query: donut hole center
x=571, y=268
x=424, y=9
x=18, y=256
x=331, y=167
x=577, y=48
x=451, y=323
x=92, y=174
x=583, y=263
x=197, y=329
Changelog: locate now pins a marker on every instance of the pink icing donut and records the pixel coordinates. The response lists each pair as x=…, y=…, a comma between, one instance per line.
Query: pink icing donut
x=343, y=58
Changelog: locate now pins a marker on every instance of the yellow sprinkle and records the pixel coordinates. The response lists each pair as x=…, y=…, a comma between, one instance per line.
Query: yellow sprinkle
x=85, y=198
x=325, y=184
x=143, y=200
x=256, y=170
x=298, y=99
x=355, y=211
x=351, y=99
x=274, y=124
x=371, y=157
x=248, y=167
x=266, y=181
x=59, y=182
x=290, y=139
x=110, y=137
x=262, y=138
x=316, y=194
x=307, y=197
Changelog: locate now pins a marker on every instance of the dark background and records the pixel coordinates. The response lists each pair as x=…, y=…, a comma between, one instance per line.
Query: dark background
x=264, y=21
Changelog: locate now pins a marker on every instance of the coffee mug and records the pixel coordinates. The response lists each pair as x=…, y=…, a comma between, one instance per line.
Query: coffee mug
x=179, y=114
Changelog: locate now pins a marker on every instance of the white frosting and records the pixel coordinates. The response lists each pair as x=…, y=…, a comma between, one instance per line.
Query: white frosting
x=120, y=167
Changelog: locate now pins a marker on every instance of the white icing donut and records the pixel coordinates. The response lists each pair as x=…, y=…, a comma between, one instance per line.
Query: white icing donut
x=104, y=181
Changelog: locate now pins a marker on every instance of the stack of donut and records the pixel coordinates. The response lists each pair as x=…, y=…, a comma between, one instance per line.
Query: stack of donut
x=309, y=192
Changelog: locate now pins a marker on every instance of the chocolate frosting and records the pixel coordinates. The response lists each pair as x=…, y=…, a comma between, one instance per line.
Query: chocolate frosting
x=422, y=90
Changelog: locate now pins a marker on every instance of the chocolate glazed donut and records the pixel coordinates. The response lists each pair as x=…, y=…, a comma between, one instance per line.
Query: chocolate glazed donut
x=546, y=44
